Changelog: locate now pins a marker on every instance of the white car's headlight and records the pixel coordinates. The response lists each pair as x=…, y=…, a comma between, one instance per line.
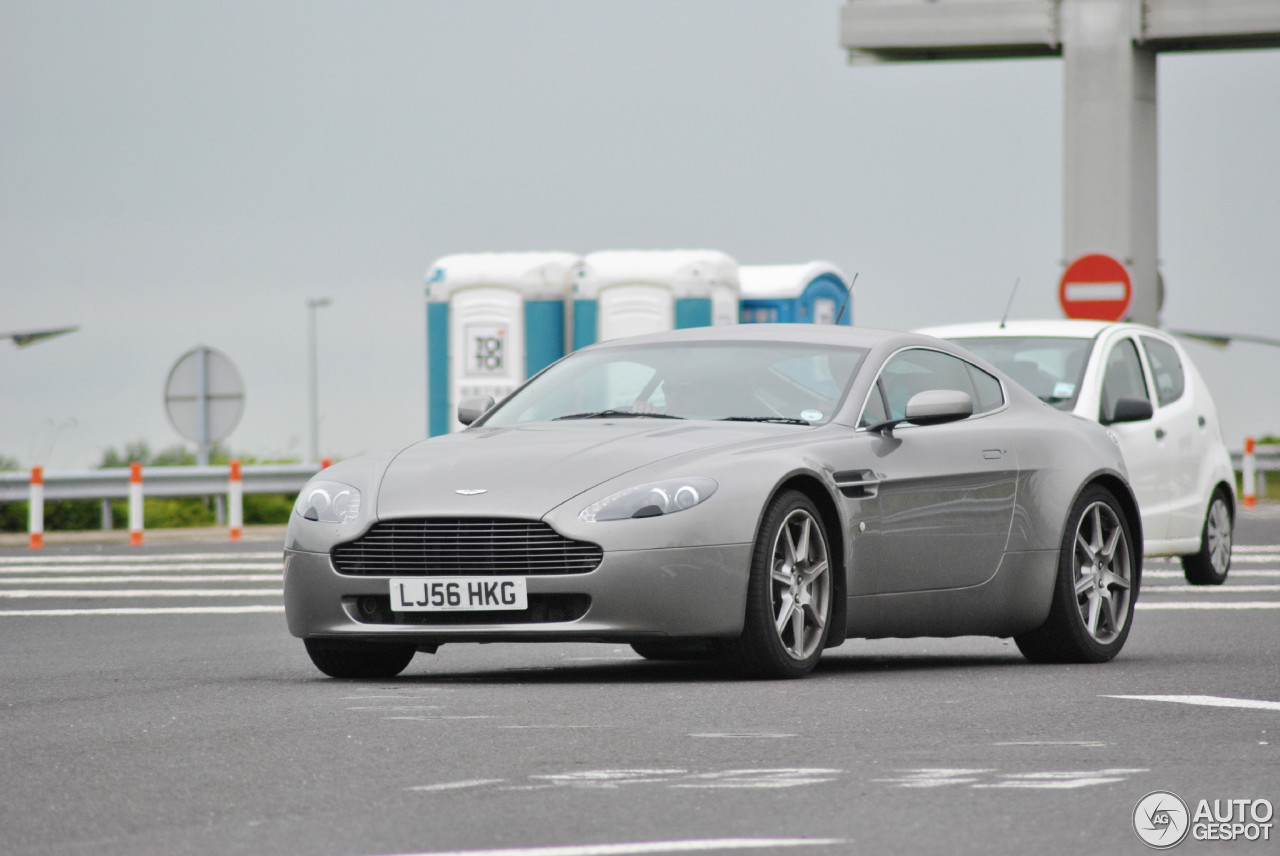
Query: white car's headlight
x=328, y=502
x=650, y=500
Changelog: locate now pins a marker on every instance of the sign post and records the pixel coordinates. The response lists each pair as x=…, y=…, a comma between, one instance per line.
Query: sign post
x=1097, y=287
x=204, y=398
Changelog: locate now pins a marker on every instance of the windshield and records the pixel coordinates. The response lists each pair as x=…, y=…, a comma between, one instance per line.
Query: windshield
x=1051, y=368
x=765, y=381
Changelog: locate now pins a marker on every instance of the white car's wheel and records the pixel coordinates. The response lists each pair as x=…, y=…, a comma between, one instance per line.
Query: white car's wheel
x=1097, y=585
x=1209, y=566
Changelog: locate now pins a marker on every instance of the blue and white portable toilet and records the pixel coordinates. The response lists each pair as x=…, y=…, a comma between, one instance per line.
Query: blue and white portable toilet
x=493, y=320
x=811, y=293
x=628, y=292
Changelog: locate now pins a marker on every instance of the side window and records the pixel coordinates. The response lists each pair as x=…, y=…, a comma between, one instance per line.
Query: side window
x=990, y=395
x=918, y=370
x=874, y=413
x=1166, y=369
x=1123, y=378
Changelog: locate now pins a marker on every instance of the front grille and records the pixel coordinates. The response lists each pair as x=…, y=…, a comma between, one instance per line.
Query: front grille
x=464, y=547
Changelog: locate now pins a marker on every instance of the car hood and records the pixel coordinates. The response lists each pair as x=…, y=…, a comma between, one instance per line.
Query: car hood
x=526, y=471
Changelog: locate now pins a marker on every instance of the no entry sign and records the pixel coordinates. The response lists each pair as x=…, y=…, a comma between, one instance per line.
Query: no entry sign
x=1095, y=286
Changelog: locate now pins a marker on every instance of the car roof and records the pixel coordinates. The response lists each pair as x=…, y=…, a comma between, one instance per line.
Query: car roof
x=811, y=334
x=1059, y=328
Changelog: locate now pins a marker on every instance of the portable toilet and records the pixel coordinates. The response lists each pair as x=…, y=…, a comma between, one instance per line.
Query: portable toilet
x=628, y=292
x=493, y=320
x=812, y=293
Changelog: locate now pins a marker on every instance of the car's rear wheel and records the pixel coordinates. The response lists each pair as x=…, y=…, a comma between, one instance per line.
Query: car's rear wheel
x=1096, y=587
x=349, y=658
x=1209, y=566
x=789, y=595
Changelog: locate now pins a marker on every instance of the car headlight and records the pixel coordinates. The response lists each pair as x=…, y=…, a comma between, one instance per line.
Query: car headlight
x=328, y=502
x=650, y=500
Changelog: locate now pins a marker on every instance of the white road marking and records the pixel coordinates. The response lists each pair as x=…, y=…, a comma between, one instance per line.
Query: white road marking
x=1234, y=573
x=1224, y=589
x=643, y=847
x=89, y=594
x=1056, y=781
x=745, y=735
x=1226, y=604
x=981, y=778
x=143, y=578
x=670, y=778
x=171, y=610
x=276, y=567
x=110, y=560
x=1207, y=701
x=937, y=777
x=456, y=786
x=760, y=779
x=1088, y=744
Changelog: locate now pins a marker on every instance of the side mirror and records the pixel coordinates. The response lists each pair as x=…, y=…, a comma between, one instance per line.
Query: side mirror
x=935, y=406
x=1131, y=410
x=471, y=409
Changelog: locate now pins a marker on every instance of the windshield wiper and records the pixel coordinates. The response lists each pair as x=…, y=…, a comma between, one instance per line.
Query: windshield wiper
x=610, y=414
x=777, y=420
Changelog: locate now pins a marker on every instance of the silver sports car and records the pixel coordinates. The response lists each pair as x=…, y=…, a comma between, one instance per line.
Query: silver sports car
x=751, y=494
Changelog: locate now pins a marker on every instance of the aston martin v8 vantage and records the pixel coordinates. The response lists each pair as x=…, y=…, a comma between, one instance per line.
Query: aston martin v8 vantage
x=751, y=495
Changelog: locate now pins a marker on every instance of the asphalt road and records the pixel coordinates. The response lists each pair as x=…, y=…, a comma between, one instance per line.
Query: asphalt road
x=152, y=702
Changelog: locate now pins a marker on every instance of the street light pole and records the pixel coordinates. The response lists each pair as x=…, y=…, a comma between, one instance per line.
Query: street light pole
x=312, y=305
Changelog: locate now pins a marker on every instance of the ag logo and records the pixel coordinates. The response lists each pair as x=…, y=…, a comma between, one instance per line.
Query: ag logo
x=1161, y=820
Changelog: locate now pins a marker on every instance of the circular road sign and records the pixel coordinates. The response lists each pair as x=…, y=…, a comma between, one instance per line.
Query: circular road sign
x=204, y=396
x=1095, y=286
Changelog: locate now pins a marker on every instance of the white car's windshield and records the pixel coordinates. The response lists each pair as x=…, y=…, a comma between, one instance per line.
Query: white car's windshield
x=764, y=381
x=1050, y=367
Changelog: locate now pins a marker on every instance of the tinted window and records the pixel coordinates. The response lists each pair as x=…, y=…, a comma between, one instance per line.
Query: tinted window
x=918, y=370
x=1050, y=367
x=990, y=395
x=690, y=380
x=1166, y=369
x=1123, y=378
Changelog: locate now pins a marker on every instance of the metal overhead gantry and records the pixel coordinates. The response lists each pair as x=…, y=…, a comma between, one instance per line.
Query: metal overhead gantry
x=1108, y=48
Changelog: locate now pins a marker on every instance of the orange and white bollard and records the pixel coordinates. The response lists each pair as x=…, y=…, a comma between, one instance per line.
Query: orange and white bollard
x=1249, y=475
x=325, y=463
x=235, y=502
x=135, y=504
x=35, y=508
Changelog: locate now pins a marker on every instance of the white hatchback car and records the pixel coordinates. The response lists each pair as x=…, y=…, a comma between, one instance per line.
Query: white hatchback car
x=1140, y=383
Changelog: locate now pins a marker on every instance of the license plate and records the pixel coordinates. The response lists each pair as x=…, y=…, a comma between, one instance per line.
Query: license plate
x=445, y=594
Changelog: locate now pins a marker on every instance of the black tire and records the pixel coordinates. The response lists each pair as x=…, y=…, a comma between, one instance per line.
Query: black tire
x=673, y=649
x=1209, y=566
x=349, y=658
x=1097, y=585
x=789, y=596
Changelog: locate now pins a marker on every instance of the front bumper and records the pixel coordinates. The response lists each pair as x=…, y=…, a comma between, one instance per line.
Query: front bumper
x=633, y=594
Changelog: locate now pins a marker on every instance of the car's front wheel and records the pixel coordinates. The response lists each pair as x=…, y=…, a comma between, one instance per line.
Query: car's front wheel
x=349, y=658
x=1095, y=590
x=1209, y=566
x=789, y=595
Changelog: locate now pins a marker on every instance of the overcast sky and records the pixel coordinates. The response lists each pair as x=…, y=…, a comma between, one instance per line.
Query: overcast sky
x=183, y=174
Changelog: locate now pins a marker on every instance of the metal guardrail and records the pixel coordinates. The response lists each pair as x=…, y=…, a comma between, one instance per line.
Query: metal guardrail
x=1266, y=457
x=158, y=481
